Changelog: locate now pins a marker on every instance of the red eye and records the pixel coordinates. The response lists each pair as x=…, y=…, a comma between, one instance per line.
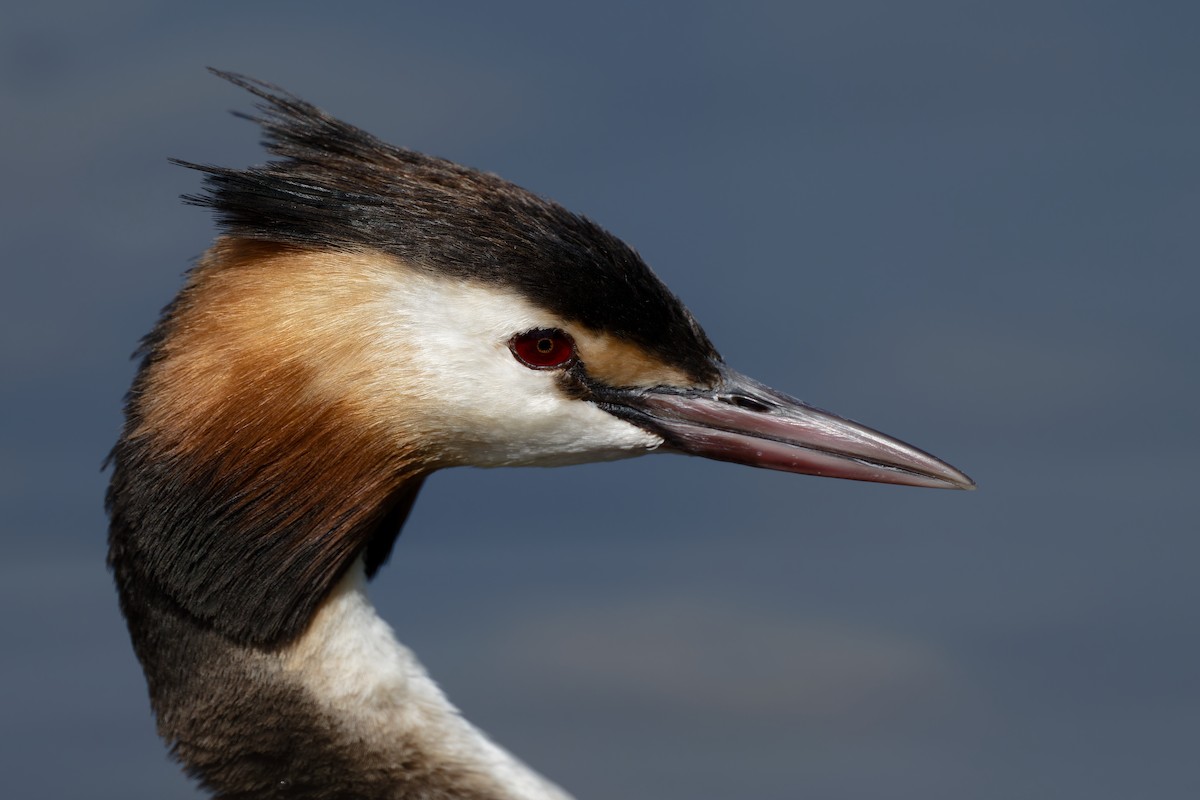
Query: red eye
x=543, y=348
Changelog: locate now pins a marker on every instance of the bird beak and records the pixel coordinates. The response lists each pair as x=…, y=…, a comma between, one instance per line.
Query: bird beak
x=746, y=422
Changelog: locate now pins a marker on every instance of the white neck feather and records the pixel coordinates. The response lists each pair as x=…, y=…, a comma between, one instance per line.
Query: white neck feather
x=350, y=662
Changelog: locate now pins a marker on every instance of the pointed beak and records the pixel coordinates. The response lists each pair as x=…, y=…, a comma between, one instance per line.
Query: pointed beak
x=745, y=422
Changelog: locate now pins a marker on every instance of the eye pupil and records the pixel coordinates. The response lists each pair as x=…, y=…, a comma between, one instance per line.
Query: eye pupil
x=543, y=348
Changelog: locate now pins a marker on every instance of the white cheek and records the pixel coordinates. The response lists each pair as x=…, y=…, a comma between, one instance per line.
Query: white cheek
x=531, y=422
x=479, y=403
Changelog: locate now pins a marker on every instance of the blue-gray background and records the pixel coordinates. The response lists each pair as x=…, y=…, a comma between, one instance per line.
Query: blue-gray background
x=972, y=225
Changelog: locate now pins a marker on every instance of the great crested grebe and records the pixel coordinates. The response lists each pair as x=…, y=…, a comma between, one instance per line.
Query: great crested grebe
x=369, y=315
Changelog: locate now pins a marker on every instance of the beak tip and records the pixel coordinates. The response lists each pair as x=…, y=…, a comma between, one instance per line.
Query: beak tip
x=947, y=477
x=958, y=480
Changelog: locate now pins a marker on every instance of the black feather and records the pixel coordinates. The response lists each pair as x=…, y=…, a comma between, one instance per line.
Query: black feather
x=336, y=186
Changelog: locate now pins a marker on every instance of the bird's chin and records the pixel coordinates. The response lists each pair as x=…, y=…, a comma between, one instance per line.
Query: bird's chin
x=746, y=422
x=570, y=459
x=608, y=439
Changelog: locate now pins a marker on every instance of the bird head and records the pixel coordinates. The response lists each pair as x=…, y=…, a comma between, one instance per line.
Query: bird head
x=491, y=325
x=371, y=314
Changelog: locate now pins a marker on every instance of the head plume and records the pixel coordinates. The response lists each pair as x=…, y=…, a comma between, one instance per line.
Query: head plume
x=335, y=186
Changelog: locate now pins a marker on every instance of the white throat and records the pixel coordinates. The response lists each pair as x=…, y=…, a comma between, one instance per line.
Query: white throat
x=351, y=664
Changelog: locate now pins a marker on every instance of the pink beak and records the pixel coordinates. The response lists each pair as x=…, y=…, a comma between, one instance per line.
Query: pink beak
x=745, y=422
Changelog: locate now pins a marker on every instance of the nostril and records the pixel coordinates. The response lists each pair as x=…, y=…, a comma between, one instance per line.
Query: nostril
x=748, y=403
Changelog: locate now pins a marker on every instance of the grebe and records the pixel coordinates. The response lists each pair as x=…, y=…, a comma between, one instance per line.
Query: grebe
x=367, y=316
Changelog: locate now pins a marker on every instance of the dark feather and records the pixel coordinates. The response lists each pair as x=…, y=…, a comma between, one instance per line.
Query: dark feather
x=336, y=186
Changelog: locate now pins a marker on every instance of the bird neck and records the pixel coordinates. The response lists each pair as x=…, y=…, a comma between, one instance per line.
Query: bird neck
x=269, y=672
x=344, y=710
x=251, y=493
x=382, y=699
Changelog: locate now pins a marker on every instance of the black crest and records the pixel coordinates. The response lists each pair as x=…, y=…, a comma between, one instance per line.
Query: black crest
x=336, y=186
